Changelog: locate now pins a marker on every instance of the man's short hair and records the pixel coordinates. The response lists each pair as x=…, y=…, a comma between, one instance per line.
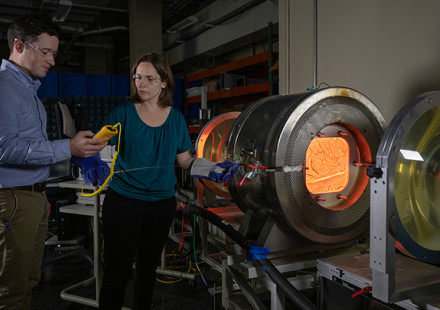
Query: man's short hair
x=28, y=27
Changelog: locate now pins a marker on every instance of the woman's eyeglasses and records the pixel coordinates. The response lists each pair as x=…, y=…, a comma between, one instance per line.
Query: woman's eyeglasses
x=151, y=79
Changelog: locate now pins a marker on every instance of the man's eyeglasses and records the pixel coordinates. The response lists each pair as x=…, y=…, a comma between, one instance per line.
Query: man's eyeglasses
x=149, y=78
x=44, y=52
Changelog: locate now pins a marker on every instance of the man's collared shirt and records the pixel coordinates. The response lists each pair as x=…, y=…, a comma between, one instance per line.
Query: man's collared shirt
x=25, y=151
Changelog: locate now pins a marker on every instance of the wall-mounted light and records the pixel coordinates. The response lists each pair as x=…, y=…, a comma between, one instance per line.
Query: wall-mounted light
x=62, y=11
x=190, y=20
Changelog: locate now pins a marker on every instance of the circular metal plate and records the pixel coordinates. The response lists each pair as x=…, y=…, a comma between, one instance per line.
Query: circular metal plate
x=410, y=151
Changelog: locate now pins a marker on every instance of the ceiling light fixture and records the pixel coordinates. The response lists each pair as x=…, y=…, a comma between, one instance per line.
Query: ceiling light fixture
x=190, y=20
x=62, y=11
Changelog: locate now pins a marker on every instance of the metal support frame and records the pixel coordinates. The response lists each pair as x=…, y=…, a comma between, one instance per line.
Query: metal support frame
x=255, y=285
x=352, y=275
x=382, y=247
x=210, y=258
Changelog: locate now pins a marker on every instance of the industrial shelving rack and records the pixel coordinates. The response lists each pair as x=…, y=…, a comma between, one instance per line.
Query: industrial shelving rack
x=256, y=67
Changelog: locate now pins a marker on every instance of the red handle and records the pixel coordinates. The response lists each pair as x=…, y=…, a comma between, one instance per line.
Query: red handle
x=364, y=290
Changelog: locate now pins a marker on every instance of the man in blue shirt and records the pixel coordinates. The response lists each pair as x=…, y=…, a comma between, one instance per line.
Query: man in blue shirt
x=25, y=157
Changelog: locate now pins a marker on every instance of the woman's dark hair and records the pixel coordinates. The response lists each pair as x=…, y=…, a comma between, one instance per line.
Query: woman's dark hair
x=166, y=75
x=28, y=27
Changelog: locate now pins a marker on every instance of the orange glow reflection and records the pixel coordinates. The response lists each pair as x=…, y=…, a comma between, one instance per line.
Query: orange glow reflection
x=327, y=165
x=211, y=144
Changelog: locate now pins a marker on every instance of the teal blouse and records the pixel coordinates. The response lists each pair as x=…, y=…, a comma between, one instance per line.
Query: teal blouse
x=147, y=154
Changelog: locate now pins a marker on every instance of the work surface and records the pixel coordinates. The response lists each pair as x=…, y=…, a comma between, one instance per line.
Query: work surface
x=410, y=274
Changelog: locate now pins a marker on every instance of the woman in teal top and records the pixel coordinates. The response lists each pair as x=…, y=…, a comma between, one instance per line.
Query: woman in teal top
x=151, y=147
x=139, y=206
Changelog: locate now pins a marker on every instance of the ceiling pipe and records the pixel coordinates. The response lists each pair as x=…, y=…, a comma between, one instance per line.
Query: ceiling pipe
x=78, y=30
x=67, y=28
x=105, y=46
x=71, y=29
x=5, y=21
x=81, y=33
x=102, y=8
x=102, y=30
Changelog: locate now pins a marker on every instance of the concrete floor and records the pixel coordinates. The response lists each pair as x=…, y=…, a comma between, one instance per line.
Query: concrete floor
x=71, y=269
x=62, y=269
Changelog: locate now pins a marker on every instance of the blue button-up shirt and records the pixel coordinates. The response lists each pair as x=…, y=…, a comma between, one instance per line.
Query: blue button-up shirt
x=25, y=152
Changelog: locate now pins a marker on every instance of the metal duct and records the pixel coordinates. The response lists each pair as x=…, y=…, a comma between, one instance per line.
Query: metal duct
x=228, y=36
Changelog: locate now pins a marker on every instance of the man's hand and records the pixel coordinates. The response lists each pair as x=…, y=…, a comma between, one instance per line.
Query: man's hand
x=83, y=146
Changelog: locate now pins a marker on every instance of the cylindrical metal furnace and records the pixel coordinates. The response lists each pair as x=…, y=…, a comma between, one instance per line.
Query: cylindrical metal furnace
x=304, y=160
x=211, y=145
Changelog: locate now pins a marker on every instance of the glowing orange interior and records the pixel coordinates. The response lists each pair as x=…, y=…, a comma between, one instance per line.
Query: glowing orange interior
x=327, y=165
x=211, y=145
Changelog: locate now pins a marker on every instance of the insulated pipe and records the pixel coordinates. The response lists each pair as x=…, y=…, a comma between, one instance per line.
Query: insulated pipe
x=291, y=292
x=315, y=45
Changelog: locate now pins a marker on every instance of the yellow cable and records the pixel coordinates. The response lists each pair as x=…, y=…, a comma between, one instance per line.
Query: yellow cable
x=112, y=167
x=177, y=279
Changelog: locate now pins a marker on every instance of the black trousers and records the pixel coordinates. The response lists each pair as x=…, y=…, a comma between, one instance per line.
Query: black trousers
x=134, y=230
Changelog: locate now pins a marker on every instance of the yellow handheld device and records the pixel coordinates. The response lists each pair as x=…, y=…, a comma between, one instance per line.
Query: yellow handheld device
x=108, y=131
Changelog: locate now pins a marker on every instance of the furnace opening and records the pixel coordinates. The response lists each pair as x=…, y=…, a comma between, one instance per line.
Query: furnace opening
x=335, y=166
x=327, y=165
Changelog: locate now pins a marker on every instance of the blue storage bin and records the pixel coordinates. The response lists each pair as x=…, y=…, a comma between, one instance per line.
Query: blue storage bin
x=120, y=85
x=98, y=85
x=71, y=84
x=49, y=85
